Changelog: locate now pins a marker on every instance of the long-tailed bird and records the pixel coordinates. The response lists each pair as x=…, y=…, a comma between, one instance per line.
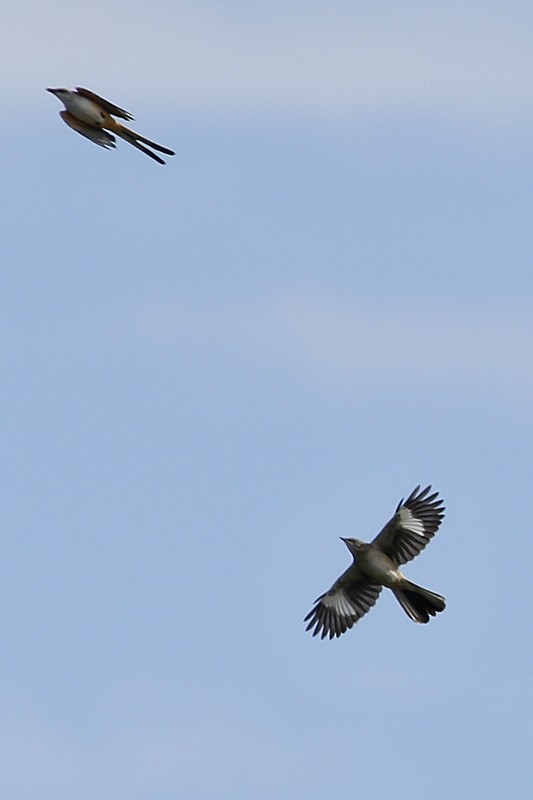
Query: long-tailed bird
x=89, y=114
x=375, y=565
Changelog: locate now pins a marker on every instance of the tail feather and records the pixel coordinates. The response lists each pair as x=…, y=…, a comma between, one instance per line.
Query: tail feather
x=155, y=146
x=418, y=603
x=133, y=136
x=140, y=147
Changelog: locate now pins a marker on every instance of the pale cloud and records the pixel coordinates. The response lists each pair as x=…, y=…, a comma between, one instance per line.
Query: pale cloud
x=197, y=745
x=483, y=346
x=298, y=59
x=37, y=758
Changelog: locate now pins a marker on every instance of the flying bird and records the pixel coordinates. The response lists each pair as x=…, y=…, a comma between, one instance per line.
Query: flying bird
x=375, y=565
x=93, y=117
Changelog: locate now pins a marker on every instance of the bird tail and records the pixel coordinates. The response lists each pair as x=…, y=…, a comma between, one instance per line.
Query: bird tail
x=134, y=138
x=418, y=603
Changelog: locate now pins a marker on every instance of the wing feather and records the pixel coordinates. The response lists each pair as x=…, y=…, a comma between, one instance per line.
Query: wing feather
x=415, y=522
x=116, y=111
x=96, y=135
x=341, y=607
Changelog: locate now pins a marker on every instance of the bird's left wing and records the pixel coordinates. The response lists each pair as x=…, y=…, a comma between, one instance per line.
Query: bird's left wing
x=116, y=111
x=339, y=609
x=96, y=135
x=414, y=523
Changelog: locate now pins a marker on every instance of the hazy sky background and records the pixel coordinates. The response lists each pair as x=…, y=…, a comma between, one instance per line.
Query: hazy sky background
x=215, y=368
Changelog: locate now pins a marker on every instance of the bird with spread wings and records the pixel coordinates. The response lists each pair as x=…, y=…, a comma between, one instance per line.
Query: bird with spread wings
x=90, y=115
x=376, y=564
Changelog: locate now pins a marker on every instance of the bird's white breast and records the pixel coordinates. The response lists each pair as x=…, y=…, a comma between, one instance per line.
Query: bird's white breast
x=84, y=109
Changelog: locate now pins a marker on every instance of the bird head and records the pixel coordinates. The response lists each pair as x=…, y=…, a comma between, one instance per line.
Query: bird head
x=62, y=94
x=355, y=546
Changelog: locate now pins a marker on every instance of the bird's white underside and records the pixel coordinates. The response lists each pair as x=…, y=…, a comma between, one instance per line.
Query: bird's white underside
x=83, y=108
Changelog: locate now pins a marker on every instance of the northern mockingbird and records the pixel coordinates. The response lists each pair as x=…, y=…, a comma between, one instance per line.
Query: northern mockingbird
x=89, y=114
x=375, y=565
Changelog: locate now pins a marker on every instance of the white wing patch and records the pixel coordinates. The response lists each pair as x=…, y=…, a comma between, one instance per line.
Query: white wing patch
x=410, y=522
x=340, y=602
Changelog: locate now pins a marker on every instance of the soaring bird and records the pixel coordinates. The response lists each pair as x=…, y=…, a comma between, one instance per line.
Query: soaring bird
x=376, y=564
x=93, y=117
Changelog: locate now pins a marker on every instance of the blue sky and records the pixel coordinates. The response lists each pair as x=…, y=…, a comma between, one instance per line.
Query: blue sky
x=215, y=368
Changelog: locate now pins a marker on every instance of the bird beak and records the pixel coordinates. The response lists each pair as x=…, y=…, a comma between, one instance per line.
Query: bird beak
x=52, y=90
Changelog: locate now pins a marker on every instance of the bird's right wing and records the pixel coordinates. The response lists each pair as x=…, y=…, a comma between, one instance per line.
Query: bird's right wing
x=414, y=523
x=339, y=609
x=96, y=135
x=116, y=111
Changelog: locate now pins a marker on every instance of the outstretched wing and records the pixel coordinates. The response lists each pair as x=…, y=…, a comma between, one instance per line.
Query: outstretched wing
x=96, y=135
x=414, y=523
x=116, y=111
x=339, y=609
